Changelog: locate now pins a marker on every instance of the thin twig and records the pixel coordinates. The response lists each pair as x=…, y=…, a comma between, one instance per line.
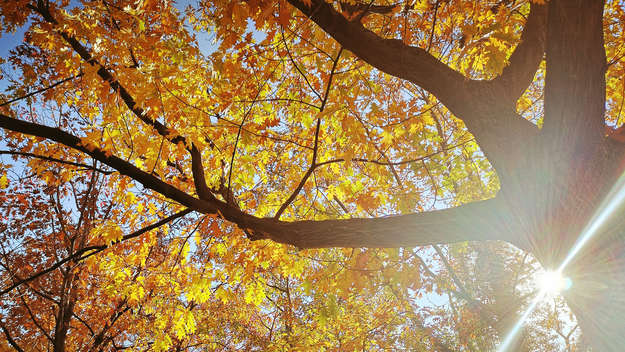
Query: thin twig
x=236, y=125
x=433, y=26
x=290, y=100
x=385, y=163
x=297, y=67
x=302, y=182
x=61, y=161
x=78, y=255
x=41, y=90
x=247, y=113
x=10, y=339
x=313, y=163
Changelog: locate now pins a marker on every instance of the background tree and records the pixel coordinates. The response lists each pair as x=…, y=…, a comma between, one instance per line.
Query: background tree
x=308, y=123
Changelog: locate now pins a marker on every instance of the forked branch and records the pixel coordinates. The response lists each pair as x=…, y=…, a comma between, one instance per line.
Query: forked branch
x=484, y=106
x=313, y=163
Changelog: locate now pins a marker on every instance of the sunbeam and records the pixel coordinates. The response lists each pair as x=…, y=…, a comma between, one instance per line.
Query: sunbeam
x=512, y=334
x=606, y=208
x=552, y=282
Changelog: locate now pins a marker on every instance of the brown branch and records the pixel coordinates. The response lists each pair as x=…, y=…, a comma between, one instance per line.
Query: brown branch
x=99, y=338
x=199, y=180
x=83, y=322
x=120, y=165
x=108, y=77
x=10, y=339
x=615, y=60
x=329, y=84
x=302, y=182
x=206, y=206
x=526, y=57
x=402, y=162
x=361, y=10
x=575, y=83
x=286, y=46
x=433, y=26
x=440, y=346
x=483, y=106
x=236, y=143
x=338, y=201
x=236, y=125
x=461, y=292
x=478, y=221
x=288, y=100
x=392, y=56
x=389, y=55
x=482, y=220
x=37, y=324
x=453, y=275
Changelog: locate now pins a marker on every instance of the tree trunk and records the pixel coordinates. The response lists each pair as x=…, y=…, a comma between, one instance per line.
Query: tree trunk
x=574, y=168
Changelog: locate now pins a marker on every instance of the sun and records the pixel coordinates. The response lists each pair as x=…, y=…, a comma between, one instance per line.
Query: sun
x=553, y=282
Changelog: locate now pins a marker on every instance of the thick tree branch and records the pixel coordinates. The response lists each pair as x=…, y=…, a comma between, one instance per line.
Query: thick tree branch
x=421, y=68
x=108, y=77
x=526, y=57
x=199, y=180
x=118, y=164
x=206, y=206
x=483, y=220
x=576, y=64
x=389, y=55
x=586, y=163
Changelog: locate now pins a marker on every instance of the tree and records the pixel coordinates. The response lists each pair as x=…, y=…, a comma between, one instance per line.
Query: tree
x=308, y=123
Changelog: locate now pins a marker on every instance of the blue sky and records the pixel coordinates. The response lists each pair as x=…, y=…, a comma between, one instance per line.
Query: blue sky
x=8, y=42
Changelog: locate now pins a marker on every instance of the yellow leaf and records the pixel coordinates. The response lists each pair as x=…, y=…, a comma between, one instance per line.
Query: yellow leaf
x=387, y=138
x=4, y=182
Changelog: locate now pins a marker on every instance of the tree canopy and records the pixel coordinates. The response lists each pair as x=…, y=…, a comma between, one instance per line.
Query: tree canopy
x=311, y=175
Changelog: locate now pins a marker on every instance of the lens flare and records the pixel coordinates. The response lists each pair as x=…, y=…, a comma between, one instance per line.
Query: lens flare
x=553, y=281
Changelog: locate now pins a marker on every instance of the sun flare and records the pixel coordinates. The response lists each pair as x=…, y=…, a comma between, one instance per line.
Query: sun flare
x=553, y=282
